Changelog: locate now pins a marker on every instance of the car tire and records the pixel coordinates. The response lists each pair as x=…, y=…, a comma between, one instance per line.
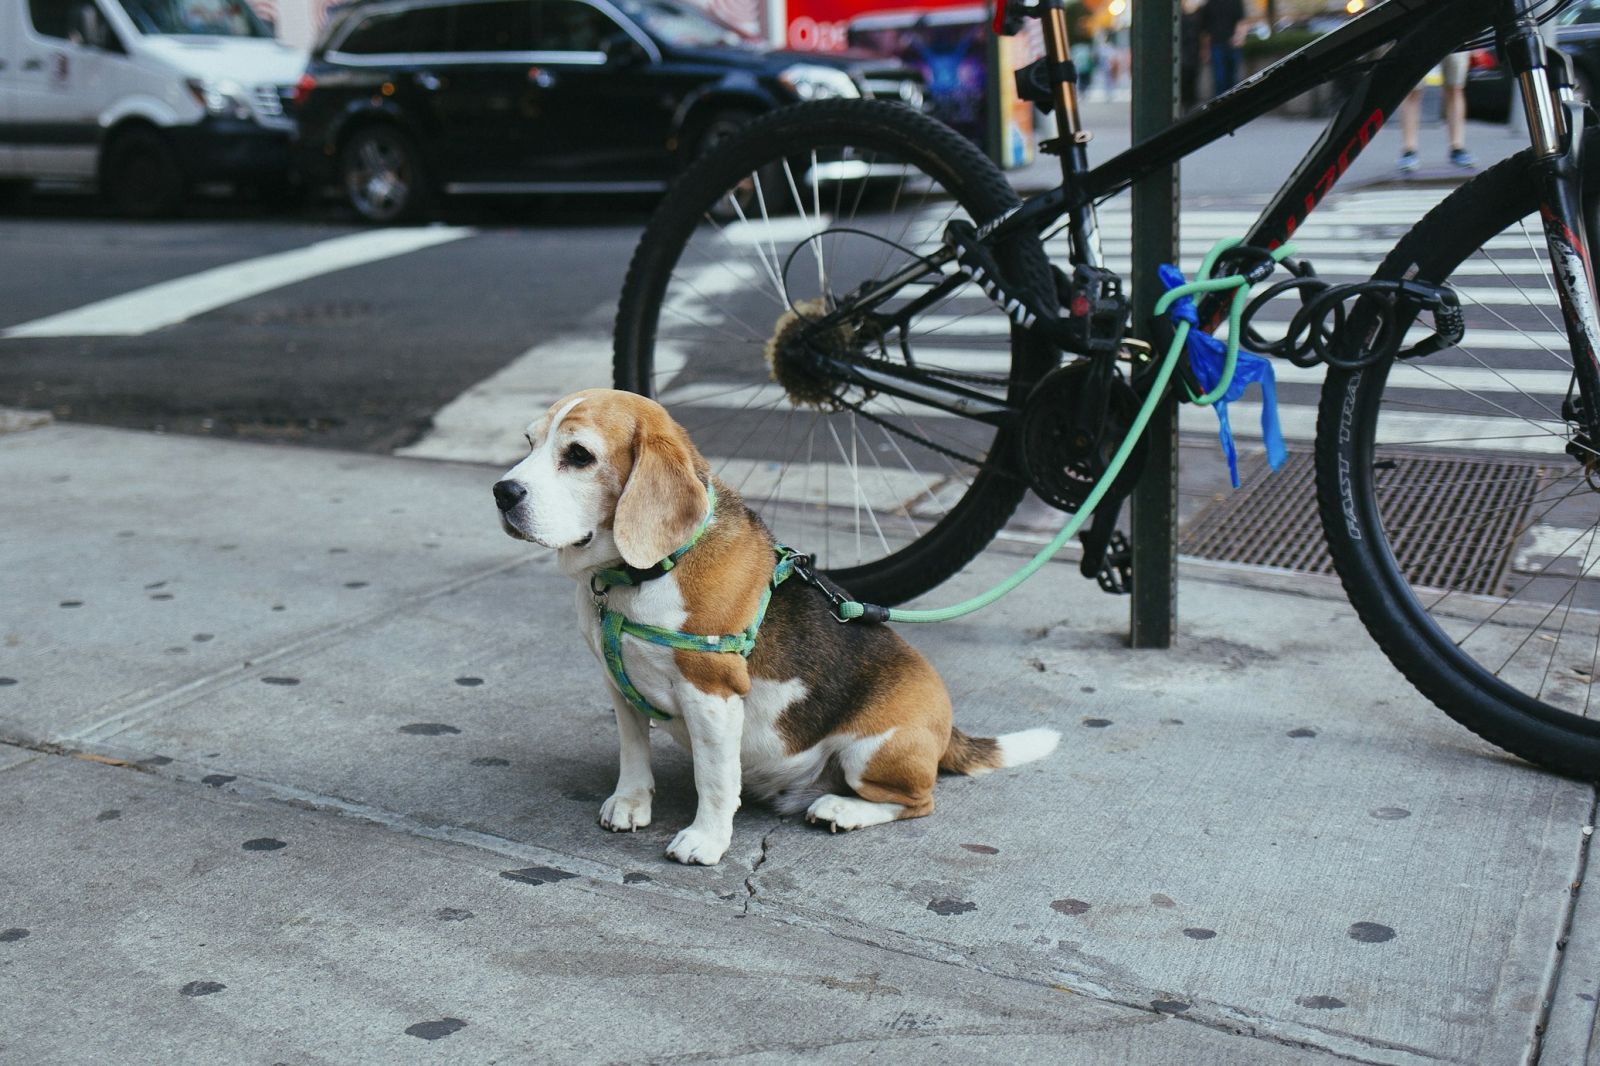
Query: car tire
x=383, y=175
x=719, y=128
x=14, y=191
x=141, y=176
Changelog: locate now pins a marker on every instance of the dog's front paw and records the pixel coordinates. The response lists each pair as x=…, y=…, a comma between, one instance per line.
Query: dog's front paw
x=696, y=847
x=622, y=814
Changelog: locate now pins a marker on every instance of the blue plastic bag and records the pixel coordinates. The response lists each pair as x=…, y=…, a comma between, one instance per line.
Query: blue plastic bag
x=1207, y=356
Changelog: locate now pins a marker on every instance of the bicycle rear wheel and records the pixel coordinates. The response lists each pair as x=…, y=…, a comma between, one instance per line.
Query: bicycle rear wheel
x=779, y=224
x=1466, y=536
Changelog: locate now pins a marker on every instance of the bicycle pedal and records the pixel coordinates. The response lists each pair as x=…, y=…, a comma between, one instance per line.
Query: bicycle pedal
x=1115, y=575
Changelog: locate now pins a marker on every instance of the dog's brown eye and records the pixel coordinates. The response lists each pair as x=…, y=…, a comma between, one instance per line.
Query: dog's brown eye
x=576, y=456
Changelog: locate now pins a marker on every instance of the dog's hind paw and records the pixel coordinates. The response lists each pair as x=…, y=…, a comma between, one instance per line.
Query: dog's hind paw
x=622, y=814
x=847, y=813
x=695, y=847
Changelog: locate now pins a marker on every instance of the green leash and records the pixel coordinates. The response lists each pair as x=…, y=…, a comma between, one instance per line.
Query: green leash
x=1203, y=283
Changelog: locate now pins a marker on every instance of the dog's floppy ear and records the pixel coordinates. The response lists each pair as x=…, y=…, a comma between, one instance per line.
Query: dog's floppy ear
x=663, y=502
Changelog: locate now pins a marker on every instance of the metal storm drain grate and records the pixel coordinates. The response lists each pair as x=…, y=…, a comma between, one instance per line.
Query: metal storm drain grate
x=1453, y=521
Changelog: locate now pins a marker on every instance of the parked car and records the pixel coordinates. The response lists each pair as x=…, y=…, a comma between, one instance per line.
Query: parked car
x=406, y=99
x=1489, y=89
x=145, y=97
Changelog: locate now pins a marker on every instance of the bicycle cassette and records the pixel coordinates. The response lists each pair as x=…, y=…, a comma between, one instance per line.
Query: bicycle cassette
x=1074, y=421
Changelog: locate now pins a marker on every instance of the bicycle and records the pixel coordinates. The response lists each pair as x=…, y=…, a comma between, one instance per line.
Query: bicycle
x=892, y=431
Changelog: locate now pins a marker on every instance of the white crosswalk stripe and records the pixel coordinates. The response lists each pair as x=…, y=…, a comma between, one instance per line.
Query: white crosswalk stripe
x=169, y=302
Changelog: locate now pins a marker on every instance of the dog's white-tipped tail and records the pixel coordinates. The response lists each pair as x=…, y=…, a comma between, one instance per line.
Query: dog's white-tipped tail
x=1026, y=746
x=979, y=755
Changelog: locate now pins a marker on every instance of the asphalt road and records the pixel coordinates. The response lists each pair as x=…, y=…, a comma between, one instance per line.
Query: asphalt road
x=362, y=357
x=355, y=359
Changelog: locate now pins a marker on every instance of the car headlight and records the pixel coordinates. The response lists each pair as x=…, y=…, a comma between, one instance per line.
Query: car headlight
x=817, y=83
x=221, y=97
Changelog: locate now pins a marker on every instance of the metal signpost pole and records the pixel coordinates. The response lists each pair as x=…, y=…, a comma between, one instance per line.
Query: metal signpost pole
x=1155, y=240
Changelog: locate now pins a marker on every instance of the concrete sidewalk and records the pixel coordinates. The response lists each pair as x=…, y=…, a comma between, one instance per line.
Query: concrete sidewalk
x=303, y=760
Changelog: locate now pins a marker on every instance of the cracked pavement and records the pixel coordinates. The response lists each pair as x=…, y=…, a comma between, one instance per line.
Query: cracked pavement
x=300, y=761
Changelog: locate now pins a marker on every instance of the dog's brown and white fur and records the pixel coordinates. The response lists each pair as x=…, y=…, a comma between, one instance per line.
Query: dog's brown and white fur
x=848, y=723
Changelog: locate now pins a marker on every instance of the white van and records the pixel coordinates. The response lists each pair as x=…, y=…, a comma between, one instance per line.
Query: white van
x=144, y=96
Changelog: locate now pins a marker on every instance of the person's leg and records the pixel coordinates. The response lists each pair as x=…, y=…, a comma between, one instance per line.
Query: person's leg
x=1455, y=115
x=1230, y=58
x=1410, y=120
x=1219, y=68
x=1455, y=107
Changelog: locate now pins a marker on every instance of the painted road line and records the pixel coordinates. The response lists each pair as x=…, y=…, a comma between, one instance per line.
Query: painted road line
x=157, y=306
x=485, y=423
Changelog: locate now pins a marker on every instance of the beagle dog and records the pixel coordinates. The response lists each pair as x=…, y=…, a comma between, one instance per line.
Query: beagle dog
x=845, y=722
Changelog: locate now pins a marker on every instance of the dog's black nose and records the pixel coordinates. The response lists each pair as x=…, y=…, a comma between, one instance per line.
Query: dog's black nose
x=507, y=494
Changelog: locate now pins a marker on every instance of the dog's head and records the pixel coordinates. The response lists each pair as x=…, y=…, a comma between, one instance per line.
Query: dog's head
x=607, y=471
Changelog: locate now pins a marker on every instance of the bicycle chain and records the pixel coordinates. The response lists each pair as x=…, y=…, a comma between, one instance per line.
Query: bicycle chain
x=964, y=377
x=949, y=453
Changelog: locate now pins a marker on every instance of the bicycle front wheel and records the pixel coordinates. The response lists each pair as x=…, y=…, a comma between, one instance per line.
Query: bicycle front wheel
x=791, y=219
x=1466, y=535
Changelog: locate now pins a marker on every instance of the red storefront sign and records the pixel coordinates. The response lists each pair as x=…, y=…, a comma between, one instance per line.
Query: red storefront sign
x=823, y=25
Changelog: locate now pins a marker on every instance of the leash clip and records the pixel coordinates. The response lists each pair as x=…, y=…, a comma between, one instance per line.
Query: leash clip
x=598, y=589
x=805, y=571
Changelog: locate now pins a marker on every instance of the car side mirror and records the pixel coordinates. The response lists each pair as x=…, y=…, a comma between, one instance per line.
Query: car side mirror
x=622, y=50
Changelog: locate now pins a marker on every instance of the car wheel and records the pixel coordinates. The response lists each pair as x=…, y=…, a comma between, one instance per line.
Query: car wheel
x=383, y=175
x=141, y=176
x=14, y=191
x=723, y=124
x=750, y=195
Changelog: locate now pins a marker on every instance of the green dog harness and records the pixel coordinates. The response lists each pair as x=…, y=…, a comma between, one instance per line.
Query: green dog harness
x=613, y=624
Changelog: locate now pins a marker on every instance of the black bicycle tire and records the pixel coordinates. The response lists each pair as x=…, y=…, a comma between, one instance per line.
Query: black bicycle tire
x=1497, y=712
x=983, y=190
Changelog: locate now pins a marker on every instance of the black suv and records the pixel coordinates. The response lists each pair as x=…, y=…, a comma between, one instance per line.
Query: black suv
x=405, y=99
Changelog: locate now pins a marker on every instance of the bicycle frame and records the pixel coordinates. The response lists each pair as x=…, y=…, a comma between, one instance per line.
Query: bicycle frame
x=1421, y=33
x=1386, y=51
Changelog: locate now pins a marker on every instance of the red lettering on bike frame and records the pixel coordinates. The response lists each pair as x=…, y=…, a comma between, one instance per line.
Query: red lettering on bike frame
x=1336, y=170
x=1363, y=137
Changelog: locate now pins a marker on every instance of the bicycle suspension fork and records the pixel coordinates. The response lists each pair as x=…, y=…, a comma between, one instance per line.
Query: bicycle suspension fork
x=1073, y=139
x=1557, y=146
